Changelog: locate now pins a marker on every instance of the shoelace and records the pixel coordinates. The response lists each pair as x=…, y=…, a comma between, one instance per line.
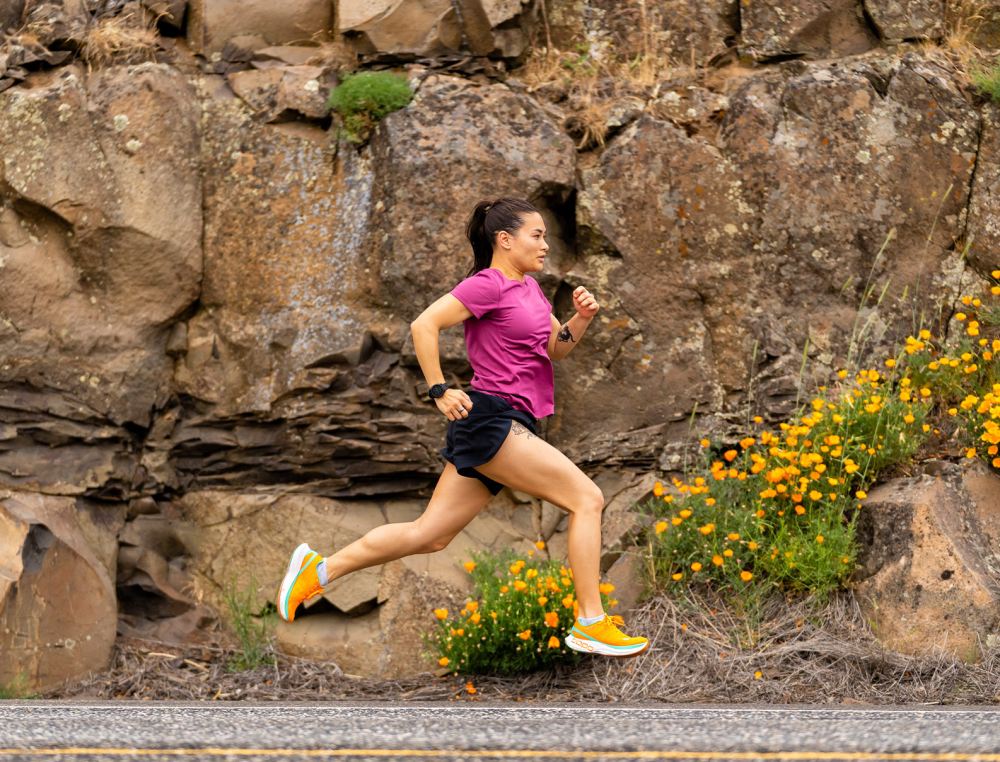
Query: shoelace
x=615, y=619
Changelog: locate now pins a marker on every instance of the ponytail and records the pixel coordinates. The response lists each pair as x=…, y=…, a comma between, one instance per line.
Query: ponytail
x=488, y=219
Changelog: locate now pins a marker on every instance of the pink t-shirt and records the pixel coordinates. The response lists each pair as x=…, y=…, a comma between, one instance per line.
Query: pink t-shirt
x=507, y=339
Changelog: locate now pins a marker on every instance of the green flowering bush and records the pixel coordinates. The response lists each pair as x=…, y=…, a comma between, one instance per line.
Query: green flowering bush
x=778, y=508
x=517, y=619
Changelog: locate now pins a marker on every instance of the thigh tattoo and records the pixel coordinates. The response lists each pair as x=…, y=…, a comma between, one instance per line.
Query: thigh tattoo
x=520, y=428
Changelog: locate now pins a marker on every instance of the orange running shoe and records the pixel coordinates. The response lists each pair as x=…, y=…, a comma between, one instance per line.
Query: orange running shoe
x=301, y=582
x=604, y=637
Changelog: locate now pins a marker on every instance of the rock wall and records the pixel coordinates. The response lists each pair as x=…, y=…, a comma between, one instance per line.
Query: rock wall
x=204, y=343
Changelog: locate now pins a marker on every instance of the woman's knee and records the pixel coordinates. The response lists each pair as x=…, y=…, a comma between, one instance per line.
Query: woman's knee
x=588, y=500
x=428, y=541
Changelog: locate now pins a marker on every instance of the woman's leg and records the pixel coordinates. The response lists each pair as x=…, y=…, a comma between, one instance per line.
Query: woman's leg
x=455, y=502
x=527, y=463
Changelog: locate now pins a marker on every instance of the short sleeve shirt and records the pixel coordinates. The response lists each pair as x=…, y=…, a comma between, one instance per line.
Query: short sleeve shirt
x=507, y=339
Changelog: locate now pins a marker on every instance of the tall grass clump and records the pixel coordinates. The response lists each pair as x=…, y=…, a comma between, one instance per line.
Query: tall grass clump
x=252, y=630
x=778, y=508
x=125, y=39
x=516, y=618
x=364, y=98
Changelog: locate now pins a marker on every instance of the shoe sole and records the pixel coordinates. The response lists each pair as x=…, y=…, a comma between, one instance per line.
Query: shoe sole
x=596, y=647
x=292, y=574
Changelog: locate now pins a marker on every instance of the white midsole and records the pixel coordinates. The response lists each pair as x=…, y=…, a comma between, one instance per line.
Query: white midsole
x=293, y=570
x=593, y=647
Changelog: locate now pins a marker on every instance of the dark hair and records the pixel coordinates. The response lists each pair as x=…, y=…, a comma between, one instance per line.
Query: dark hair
x=488, y=219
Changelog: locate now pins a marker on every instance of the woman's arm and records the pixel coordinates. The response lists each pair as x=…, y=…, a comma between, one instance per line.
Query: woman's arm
x=564, y=337
x=444, y=313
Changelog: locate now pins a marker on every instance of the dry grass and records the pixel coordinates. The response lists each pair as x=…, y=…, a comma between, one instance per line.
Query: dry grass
x=587, y=88
x=706, y=651
x=965, y=22
x=588, y=80
x=703, y=651
x=126, y=39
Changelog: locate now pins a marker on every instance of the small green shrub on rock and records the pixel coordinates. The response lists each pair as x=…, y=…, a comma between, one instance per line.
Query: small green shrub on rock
x=987, y=80
x=364, y=98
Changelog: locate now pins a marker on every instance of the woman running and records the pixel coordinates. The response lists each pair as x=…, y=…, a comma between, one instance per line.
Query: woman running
x=512, y=338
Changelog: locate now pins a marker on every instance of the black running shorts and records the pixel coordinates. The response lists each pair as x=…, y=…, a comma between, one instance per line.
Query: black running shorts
x=475, y=439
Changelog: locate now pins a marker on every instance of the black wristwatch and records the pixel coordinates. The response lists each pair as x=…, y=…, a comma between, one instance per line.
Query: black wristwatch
x=437, y=391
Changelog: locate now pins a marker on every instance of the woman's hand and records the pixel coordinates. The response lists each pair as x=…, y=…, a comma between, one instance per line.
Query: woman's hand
x=455, y=404
x=585, y=303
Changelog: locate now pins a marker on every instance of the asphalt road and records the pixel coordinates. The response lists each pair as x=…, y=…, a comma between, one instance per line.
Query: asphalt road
x=33, y=730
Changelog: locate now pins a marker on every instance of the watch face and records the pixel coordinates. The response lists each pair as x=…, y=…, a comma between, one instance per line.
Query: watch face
x=437, y=391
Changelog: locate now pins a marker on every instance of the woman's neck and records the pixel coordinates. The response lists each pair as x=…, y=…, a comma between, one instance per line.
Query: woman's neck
x=507, y=269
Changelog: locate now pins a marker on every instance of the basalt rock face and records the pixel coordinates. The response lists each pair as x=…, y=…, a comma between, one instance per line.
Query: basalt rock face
x=708, y=237
x=898, y=20
x=57, y=596
x=930, y=569
x=983, y=219
x=205, y=294
x=100, y=253
x=436, y=27
x=685, y=31
x=813, y=29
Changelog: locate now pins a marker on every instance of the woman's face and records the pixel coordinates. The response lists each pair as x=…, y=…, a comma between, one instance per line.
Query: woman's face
x=527, y=245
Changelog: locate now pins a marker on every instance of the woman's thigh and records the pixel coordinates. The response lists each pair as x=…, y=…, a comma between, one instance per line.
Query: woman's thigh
x=528, y=463
x=456, y=501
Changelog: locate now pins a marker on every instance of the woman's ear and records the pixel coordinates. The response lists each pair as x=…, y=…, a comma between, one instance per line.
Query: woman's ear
x=503, y=238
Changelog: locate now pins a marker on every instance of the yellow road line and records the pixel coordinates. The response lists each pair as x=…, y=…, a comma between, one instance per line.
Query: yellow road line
x=484, y=753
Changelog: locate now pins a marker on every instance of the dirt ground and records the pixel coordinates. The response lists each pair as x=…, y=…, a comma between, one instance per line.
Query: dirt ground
x=702, y=651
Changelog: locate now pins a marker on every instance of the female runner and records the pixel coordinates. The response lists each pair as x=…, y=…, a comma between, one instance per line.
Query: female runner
x=512, y=338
